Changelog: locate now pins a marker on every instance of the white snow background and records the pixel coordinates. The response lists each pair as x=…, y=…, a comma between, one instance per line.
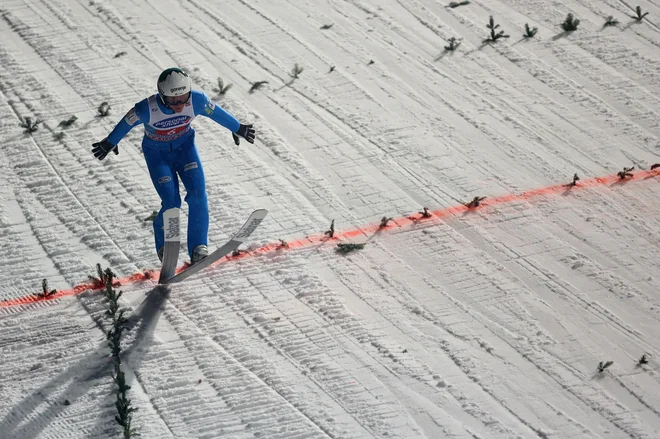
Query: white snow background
x=485, y=324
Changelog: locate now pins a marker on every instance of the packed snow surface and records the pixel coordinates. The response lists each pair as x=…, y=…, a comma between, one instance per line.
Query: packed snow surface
x=487, y=323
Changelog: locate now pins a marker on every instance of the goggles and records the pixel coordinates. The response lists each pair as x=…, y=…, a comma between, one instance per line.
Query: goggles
x=173, y=101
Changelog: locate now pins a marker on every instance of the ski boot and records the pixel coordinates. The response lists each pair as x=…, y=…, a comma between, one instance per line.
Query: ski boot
x=199, y=253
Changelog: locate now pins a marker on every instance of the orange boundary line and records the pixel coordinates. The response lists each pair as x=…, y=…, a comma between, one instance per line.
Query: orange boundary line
x=401, y=222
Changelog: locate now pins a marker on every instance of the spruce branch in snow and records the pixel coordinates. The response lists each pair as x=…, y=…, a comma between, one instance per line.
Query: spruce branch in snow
x=30, y=125
x=101, y=279
x=626, y=173
x=332, y=69
x=237, y=252
x=296, y=70
x=476, y=202
x=602, y=366
x=425, y=213
x=574, y=182
x=256, y=86
x=59, y=136
x=383, y=222
x=331, y=232
x=120, y=54
x=282, y=244
x=494, y=36
x=639, y=16
x=45, y=291
x=103, y=110
x=570, y=23
x=457, y=4
x=123, y=404
x=347, y=248
x=611, y=21
x=151, y=217
x=530, y=32
x=643, y=360
x=222, y=88
x=453, y=44
x=327, y=26
x=67, y=123
x=371, y=61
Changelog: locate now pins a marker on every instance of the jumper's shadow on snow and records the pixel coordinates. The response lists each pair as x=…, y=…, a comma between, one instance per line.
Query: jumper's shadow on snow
x=139, y=330
x=78, y=381
x=29, y=417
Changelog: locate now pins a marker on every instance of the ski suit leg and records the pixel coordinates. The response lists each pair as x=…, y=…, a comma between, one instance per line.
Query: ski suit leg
x=189, y=168
x=163, y=176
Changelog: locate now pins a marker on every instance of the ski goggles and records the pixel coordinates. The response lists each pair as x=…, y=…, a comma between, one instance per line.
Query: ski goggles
x=173, y=101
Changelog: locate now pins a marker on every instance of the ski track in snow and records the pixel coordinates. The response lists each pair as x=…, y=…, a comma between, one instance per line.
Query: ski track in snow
x=487, y=324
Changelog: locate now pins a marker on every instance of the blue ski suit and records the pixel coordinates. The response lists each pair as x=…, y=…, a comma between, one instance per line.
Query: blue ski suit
x=170, y=151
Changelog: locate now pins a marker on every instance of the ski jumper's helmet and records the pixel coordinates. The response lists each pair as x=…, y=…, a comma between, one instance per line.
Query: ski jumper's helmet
x=173, y=82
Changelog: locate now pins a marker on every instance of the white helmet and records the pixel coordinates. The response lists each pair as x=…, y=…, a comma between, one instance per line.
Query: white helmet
x=174, y=82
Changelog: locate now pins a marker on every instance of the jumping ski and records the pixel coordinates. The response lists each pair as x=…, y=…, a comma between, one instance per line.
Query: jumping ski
x=243, y=234
x=171, y=248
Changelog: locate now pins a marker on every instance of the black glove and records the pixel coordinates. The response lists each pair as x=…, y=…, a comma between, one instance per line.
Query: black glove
x=245, y=131
x=102, y=148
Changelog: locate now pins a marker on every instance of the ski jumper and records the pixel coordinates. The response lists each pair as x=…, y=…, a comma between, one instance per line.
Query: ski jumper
x=170, y=151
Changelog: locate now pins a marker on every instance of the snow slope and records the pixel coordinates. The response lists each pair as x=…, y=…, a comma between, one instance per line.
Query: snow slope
x=481, y=324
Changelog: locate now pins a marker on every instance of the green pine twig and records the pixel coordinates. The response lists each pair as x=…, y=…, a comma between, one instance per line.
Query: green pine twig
x=639, y=16
x=457, y=4
x=611, y=21
x=256, y=86
x=297, y=70
x=626, y=173
x=348, y=247
x=425, y=213
x=494, y=36
x=222, y=88
x=45, y=292
x=453, y=44
x=103, y=110
x=530, y=32
x=570, y=24
x=476, y=202
x=574, y=182
x=67, y=123
x=151, y=217
x=30, y=125
x=383, y=222
x=331, y=232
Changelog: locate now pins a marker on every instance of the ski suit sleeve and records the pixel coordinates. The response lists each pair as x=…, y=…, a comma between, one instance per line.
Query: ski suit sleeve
x=204, y=106
x=136, y=116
